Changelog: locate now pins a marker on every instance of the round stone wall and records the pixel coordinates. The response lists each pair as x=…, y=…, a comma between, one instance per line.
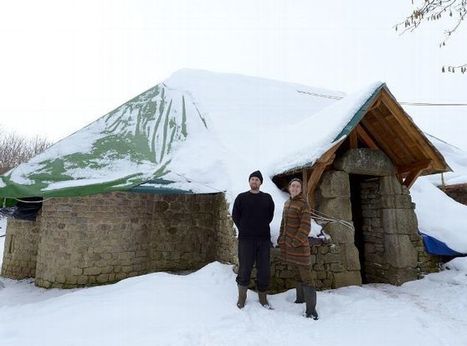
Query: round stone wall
x=20, y=251
x=107, y=237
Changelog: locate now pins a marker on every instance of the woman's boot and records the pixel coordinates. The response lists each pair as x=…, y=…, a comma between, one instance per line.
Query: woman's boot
x=310, y=300
x=242, y=290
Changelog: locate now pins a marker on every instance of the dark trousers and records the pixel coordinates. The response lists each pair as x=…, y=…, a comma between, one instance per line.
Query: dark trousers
x=251, y=251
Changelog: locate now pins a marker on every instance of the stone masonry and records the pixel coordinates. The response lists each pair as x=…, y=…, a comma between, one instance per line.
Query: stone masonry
x=20, y=252
x=104, y=238
x=393, y=250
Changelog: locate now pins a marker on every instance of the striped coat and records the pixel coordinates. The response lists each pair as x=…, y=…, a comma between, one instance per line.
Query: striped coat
x=295, y=227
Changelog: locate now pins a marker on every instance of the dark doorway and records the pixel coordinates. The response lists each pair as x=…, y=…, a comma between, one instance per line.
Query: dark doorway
x=357, y=217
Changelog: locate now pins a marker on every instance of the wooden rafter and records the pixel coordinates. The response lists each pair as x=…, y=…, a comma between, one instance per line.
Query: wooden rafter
x=410, y=129
x=365, y=137
x=414, y=171
x=423, y=164
x=305, y=182
x=412, y=177
x=318, y=168
x=353, y=139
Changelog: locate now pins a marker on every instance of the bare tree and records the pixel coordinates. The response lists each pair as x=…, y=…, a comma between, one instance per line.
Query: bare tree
x=432, y=10
x=15, y=149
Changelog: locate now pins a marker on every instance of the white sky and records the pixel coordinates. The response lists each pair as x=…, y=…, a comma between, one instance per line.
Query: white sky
x=65, y=63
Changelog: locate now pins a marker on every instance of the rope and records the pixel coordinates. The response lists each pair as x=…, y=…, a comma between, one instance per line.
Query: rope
x=25, y=201
x=320, y=216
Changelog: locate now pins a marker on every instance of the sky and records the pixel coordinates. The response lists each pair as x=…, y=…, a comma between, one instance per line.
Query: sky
x=65, y=63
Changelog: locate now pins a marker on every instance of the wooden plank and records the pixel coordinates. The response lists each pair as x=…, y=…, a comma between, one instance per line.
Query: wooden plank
x=395, y=139
x=353, y=139
x=412, y=177
x=318, y=168
x=375, y=104
x=407, y=125
x=313, y=181
x=304, y=182
x=365, y=137
x=423, y=164
x=372, y=126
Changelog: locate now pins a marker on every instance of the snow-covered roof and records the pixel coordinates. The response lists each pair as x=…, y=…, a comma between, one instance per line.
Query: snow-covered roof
x=197, y=131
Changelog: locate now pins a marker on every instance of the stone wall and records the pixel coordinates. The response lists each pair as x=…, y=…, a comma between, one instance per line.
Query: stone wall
x=20, y=252
x=392, y=248
x=335, y=264
x=390, y=231
x=107, y=237
x=457, y=192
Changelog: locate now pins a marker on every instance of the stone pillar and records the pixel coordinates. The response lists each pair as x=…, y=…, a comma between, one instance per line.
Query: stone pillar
x=334, y=200
x=400, y=228
x=20, y=249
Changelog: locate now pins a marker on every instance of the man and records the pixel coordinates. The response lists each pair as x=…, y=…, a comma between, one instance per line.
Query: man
x=252, y=213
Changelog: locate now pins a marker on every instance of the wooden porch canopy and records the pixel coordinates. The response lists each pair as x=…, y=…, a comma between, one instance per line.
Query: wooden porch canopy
x=382, y=124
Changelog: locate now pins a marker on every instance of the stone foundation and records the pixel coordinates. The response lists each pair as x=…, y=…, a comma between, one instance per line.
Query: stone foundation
x=104, y=238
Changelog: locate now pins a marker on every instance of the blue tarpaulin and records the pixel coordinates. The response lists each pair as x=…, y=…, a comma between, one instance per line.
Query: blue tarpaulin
x=436, y=247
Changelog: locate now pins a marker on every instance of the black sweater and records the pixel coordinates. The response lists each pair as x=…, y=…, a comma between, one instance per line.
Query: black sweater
x=252, y=213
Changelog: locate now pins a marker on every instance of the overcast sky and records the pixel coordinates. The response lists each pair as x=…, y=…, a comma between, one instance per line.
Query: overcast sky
x=65, y=63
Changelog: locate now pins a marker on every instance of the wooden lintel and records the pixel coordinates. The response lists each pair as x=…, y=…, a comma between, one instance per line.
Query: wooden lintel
x=419, y=165
x=365, y=137
x=353, y=139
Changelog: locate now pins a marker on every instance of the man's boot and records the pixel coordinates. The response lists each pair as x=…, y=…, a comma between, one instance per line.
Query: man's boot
x=242, y=290
x=263, y=300
x=310, y=300
x=299, y=290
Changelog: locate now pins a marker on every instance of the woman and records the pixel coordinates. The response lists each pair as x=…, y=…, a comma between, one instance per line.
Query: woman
x=294, y=245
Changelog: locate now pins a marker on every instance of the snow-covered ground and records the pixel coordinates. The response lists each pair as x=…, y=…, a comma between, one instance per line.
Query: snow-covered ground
x=199, y=309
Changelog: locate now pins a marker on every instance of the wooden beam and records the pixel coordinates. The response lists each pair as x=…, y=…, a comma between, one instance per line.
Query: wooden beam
x=375, y=104
x=304, y=182
x=412, y=177
x=365, y=137
x=419, y=165
x=407, y=124
x=315, y=177
x=371, y=123
x=353, y=139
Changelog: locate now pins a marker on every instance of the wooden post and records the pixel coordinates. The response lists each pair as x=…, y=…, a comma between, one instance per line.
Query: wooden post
x=304, y=183
x=353, y=139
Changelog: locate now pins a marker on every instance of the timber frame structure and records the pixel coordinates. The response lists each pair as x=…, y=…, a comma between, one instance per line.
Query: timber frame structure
x=380, y=124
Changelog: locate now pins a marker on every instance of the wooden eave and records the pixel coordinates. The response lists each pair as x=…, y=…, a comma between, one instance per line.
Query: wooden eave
x=395, y=133
x=385, y=126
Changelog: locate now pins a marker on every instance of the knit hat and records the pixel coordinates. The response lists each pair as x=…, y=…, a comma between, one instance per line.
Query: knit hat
x=256, y=174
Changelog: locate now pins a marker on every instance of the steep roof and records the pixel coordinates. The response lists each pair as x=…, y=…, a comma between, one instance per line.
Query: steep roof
x=203, y=132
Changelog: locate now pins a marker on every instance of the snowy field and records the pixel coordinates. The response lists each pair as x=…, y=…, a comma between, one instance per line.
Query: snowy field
x=199, y=309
